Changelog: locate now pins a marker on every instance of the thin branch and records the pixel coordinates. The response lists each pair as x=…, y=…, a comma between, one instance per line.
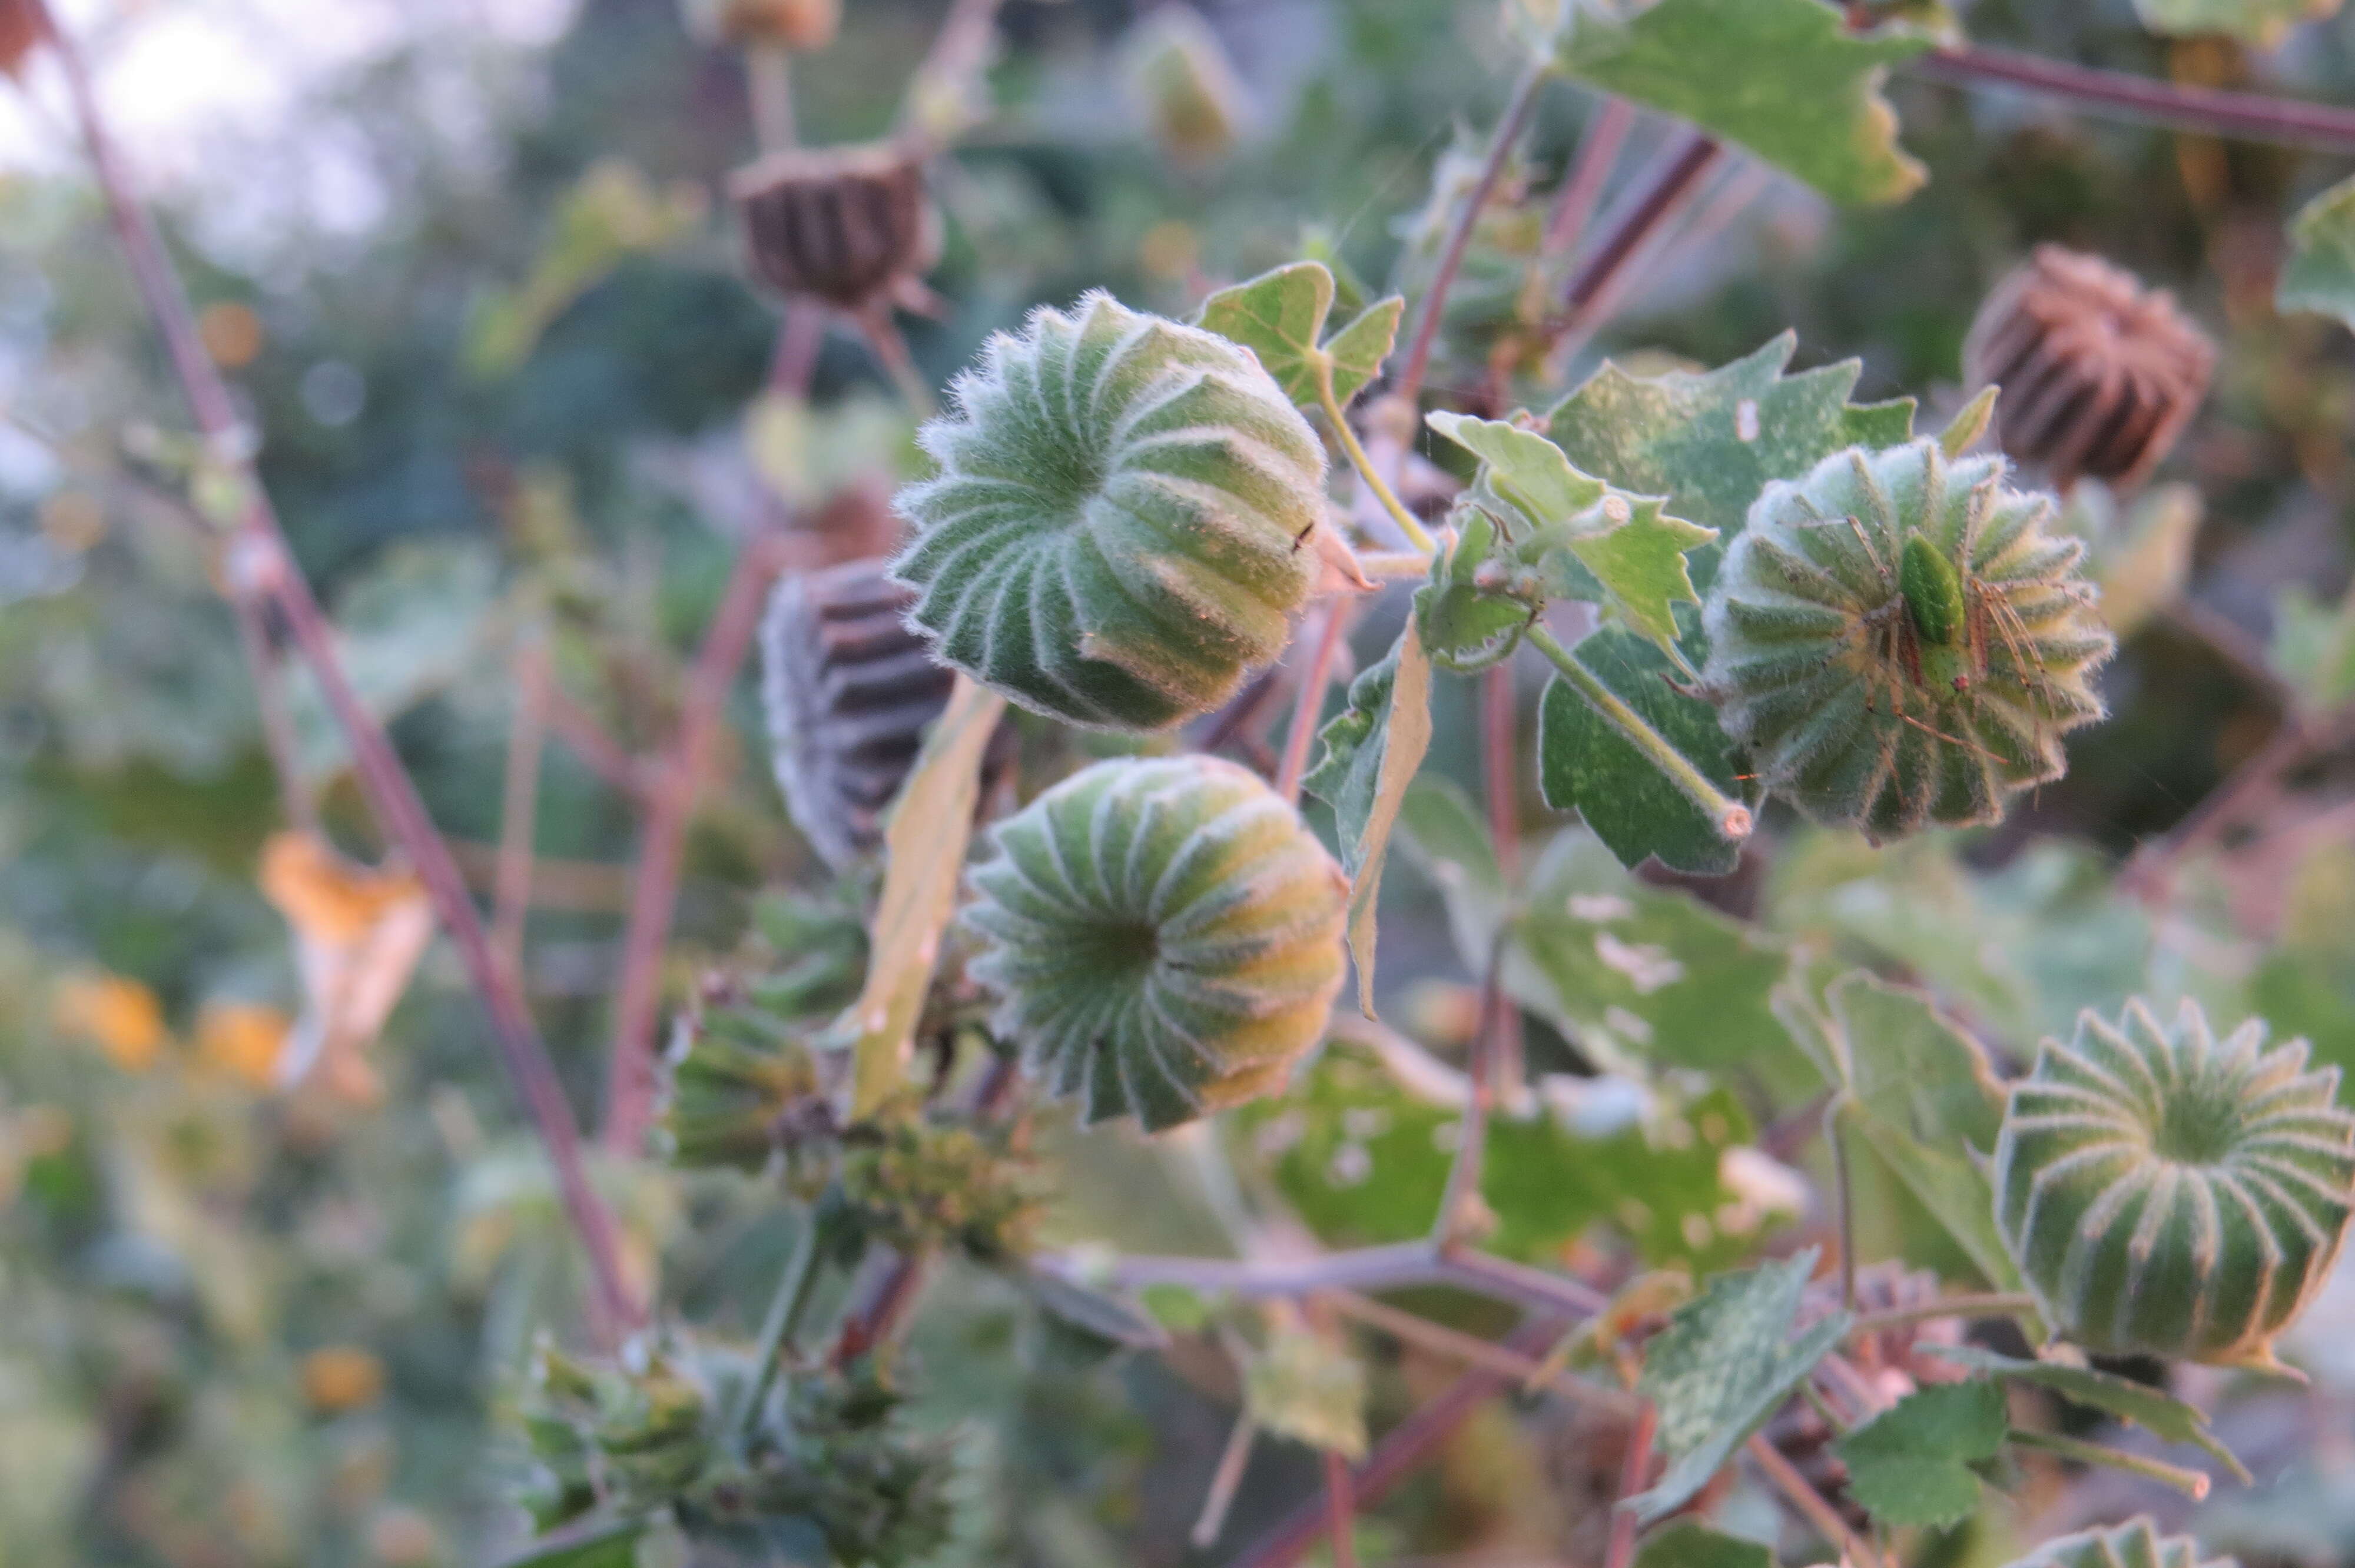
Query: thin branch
x=959, y=52
x=1308, y=706
x=1731, y=817
x=1402, y=1450
x=1844, y=1198
x=2298, y=741
x=1593, y=288
x=586, y=738
x=783, y=1318
x=1233, y=1459
x=261, y=561
x=1500, y=753
x=630, y=1084
x=2193, y=1484
x=2118, y=95
x=1407, y=1328
x=277, y=720
x=769, y=89
x=519, y=806
x=1365, y=1269
x=1582, y=188
x=1459, y=239
x=1635, y=1474
x=1459, y=1202
x=1989, y=1304
x=1340, y=1511
x=2243, y=653
x=1786, y=1479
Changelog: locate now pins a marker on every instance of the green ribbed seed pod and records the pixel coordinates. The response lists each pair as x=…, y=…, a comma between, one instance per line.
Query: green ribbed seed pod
x=2134, y=1544
x=1164, y=936
x=1899, y=641
x=2167, y=1193
x=1113, y=535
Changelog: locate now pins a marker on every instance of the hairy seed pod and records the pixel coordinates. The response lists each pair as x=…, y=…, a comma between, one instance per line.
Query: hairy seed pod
x=846, y=225
x=1898, y=640
x=849, y=692
x=2167, y=1193
x=1115, y=531
x=2134, y=1544
x=2099, y=374
x=1164, y=936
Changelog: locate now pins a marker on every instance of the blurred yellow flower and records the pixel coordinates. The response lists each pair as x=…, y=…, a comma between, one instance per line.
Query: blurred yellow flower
x=120, y=1016
x=337, y=1378
x=243, y=1039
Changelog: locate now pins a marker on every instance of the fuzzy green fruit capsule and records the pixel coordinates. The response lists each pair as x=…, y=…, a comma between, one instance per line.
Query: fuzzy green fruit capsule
x=2167, y=1193
x=2134, y=1544
x=1163, y=937
x=1898, y=642
x=1114, y=534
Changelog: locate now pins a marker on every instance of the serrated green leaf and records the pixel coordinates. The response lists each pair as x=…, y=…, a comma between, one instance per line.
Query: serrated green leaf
x=1372, y=751
x=1687, y=1544
x=1710, y=441
x=1785, y=78
x=603, y=1543
x=2319, y=275
x=1642, y=563
x=1636, y=973
x=1463, y=627
x=1724, y=1364
x=1305, y=1387
x=1522, y=467
x=1280, y=316
x=924, y=848
x=2160, y=1413
x=1359, y=348
x=1911, y=1465
x=2258, y=22
x=1585, y=764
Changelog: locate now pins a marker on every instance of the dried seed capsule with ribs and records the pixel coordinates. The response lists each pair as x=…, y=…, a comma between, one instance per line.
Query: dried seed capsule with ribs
x=848, y=691
x=2099, y=374
x=845, y=225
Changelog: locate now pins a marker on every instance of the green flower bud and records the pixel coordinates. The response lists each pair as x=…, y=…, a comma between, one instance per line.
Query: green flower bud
x=1113, y=535
x=1164, y=936
x=1899, y=641
x=2167, y=1193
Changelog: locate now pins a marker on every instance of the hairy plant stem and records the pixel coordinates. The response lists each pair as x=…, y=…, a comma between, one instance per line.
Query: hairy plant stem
x=1731, y=817
x=1459, y=236
x=1408, y=524
x=1308, y=706
x=630, y=1082
x=1989, y=1304
x=1582, y=188
x=1340, y=1511
x=1634, y=1471
x=2246, y=115
x=2192, y=1484
x=787, y=1308
x=1843, y=1196
x=261, y=563
x=1784, y=1478
x=520, y=805
x=1459, y=1202
x=1233, y=1459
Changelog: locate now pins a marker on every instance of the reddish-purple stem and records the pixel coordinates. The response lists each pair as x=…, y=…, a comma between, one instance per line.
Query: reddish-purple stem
x=2253, y=116
x=1582, y=190
x=1634, y=1472
x=270, y=568
x=662, y=839
x=1340, y=1511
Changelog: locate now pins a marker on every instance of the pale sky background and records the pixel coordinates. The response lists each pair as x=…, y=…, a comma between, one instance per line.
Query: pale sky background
x=204, y=95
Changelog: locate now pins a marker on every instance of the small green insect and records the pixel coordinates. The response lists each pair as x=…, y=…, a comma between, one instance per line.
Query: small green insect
x=1898, y=642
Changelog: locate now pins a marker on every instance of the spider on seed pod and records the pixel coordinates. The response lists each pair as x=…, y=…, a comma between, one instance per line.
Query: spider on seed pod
x=2099, y=374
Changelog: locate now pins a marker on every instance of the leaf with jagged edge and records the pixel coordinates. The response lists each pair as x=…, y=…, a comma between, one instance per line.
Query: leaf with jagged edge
x=2155, y=1410
x=1725, y=1363
x=1372, y=750
x=2319, y=275
x=1786, y=79
x=1585, y=764
x=2258, y=22
x=1624, y=544
x=1280, y=316
x=1914, y=1463
x=1710, y=440
x=1462, y=626
x=924, y=848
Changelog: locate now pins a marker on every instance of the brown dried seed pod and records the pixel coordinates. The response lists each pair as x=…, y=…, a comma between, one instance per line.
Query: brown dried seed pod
x=802, y=25
x=845, y=225
x=2099, y=374
x=848, y=691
